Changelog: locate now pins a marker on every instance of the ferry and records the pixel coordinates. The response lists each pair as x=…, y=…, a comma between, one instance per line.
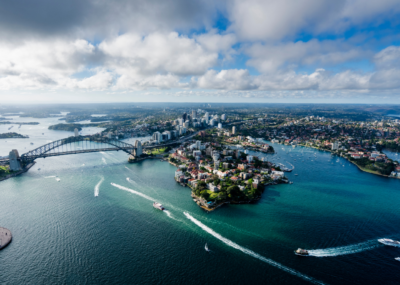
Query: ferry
x=158, y=206
x=301, y=252
x=389, y=242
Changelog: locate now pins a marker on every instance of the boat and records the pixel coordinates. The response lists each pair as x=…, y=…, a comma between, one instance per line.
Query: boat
x=31, y=143
x=38, y=169
x=158, y=206
x=397, y=258
x=301, y=252
x=58, y=179
x=296, y=174
x=389, y=242
x=206, y=248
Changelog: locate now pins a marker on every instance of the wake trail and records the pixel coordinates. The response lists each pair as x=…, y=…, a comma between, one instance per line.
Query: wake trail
x=97, y=187
x=133, y=191
x=343, y=250
x=250, y=252
x=168, y=213
x=104, y=160
x=50, y=176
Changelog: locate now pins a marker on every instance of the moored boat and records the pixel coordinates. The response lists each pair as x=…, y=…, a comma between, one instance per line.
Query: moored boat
x=389, y=242
x=158, y=206
x=301, y=252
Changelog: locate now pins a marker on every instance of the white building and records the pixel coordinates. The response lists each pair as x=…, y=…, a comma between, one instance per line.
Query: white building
x=335, y=145
x=157, y=136
x=249, y=158
x=233, y=130
x=76, y=132
x=219, y=126
x=198, y=145
x=223, y=117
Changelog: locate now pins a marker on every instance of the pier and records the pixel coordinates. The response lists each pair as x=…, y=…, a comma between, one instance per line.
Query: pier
x=5, y=237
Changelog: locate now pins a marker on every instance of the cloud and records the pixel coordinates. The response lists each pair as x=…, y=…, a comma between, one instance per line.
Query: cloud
x=157, y=53
x=232, y=79
x=101, y=18
x=273, y=20
x=269, y=58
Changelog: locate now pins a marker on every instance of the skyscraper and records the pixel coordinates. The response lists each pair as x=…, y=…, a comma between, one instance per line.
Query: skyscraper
x=194, y=114
x=233, y=130
x=223, y=117
x=184, y=116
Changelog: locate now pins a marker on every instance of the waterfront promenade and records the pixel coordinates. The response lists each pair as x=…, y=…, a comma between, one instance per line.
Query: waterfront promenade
x=5, y=237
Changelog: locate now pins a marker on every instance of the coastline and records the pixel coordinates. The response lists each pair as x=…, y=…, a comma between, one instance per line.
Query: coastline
x=26, y=168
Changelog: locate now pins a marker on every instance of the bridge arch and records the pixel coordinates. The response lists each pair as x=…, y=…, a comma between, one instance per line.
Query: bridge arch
x=88, y=144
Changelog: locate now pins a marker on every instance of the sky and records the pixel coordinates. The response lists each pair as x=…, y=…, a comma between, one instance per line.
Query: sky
x=324, y=51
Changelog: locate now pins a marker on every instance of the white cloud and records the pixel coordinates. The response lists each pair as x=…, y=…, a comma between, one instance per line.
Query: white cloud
x=269, y=58
x=232, y=79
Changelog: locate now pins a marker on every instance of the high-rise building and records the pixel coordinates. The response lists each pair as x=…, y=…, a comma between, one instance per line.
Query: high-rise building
x=76, y=132
x=198, y=144
x=186, y=124
x=335, y=145
x=212, y=122
x=219, y=126
x=223, y=117
x=184, y=116
x=157, y=136
x=233, y=130
x=216, y=164
x=194, y=114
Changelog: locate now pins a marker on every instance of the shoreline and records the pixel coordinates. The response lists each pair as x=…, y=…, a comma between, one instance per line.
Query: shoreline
x=25, y=169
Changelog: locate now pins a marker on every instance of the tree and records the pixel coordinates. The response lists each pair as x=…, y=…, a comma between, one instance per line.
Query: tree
x=233, y=191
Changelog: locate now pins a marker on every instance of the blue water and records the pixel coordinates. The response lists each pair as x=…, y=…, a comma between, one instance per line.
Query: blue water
x=64, y=234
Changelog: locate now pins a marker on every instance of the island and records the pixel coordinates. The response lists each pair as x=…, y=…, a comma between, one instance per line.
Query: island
x=13, y=136
x=18, y=123
x=66, y=127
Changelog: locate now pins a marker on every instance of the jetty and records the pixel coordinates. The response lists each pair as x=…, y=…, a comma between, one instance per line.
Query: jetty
x=5, y=237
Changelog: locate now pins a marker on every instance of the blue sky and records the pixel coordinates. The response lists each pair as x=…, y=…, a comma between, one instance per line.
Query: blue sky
x=200, y=51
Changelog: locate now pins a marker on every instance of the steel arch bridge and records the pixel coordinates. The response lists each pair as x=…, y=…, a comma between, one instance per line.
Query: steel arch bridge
x=76, y=145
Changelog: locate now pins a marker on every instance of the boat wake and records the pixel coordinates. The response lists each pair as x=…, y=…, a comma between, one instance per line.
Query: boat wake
x=343, y=250
x=142, y=195
x=133, y=192
x=50, y=176
x=104, y=160
x=250, y=252
x=97, y=187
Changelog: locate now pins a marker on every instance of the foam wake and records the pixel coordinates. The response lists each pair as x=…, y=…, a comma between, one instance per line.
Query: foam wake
x=343, y=250
x=50, y=176
x=250, y=252
x=141, y=195
x=104, y=160
x=133, y=191
x=97, y=187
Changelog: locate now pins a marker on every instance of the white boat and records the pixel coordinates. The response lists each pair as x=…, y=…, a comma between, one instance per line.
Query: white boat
x=397, y=258
x=389, y=242
x=206, y=248
x=158, y=206
x=58, y=179
x=301, y=252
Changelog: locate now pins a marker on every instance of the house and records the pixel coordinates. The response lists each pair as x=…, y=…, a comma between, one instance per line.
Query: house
x=212, y=187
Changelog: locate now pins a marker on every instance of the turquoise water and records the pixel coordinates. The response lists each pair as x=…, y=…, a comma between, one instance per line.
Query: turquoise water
x=64, y=234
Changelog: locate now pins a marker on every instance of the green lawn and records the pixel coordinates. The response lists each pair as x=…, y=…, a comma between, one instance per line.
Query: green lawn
x=158, y=150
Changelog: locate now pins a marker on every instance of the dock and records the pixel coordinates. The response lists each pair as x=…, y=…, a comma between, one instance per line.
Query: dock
x=5, y=237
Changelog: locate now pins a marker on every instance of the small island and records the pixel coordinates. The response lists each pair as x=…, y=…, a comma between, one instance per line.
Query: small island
x=18, y=123
x=13, y=136
x=66, y=127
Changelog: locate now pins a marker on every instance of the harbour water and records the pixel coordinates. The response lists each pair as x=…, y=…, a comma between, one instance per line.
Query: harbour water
x=97, y=224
